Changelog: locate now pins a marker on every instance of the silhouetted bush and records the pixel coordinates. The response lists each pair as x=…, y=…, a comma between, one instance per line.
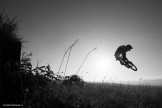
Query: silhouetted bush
x=73, y=80
x=10, y=49
x=9, y=28
x=32, y=85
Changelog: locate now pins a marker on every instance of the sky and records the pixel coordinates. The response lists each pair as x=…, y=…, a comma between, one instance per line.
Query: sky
x=51, y=26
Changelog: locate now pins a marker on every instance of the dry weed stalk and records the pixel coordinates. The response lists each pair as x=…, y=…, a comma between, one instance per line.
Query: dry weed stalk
x=69, y=49
x=85, y=59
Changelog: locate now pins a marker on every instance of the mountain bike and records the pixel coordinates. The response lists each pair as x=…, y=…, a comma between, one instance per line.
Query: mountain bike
x=128, y=64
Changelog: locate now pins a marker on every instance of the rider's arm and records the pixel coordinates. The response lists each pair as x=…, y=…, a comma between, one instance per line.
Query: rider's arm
x=124, y=57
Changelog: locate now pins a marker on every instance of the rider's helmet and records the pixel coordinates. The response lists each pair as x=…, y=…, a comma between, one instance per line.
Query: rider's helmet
x=129, y=46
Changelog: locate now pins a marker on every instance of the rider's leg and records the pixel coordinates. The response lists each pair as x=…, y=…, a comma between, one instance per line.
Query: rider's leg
x=120, y=60
x=122, y=63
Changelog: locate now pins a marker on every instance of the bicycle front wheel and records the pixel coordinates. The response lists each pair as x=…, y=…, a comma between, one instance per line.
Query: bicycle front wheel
x=133, y=67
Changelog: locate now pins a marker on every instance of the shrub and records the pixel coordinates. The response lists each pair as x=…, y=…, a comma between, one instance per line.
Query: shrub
x=73, y=80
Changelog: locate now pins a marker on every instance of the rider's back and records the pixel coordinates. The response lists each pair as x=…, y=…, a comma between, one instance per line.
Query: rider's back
x=120, y=50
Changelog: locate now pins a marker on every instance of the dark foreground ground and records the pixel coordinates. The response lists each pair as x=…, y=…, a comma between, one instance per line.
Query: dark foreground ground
x=25, y=90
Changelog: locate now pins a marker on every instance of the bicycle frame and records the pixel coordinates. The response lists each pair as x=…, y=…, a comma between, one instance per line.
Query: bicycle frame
x=128, y=64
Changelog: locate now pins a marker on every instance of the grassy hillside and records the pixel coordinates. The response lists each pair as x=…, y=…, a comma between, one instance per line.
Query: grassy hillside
x=92, y=95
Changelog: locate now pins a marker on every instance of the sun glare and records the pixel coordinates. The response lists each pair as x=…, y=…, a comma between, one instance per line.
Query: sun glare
x=102, y=62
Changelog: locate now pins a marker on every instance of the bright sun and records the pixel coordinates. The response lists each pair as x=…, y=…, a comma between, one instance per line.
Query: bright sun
x=100, y=65
x=102, y=62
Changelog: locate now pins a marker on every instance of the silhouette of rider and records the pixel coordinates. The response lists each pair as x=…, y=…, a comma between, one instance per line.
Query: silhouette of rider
x=120, y=53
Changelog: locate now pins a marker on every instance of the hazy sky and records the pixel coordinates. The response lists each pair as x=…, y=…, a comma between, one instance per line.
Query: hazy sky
x=51, y=26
